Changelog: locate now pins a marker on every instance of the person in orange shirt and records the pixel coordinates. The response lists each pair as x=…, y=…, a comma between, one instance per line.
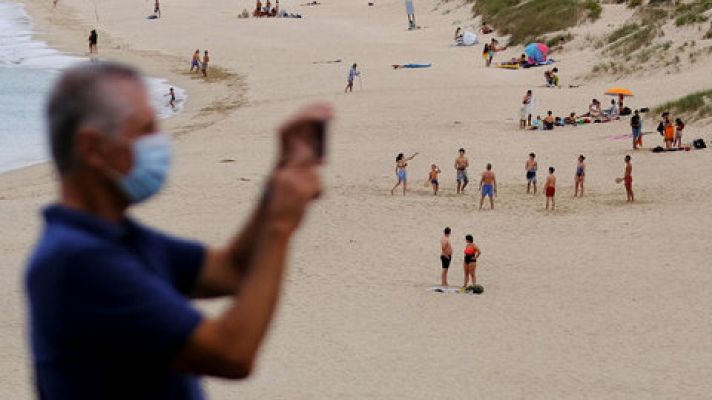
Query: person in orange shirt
x=472, y=253
x=669, y=131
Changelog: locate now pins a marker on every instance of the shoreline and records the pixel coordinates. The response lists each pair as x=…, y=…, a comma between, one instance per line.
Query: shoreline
x=199, y=109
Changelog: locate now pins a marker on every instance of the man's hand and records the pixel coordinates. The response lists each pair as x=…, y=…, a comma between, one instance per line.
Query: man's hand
x=295, y=182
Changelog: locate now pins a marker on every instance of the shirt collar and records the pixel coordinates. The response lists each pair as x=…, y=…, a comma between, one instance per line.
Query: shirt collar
x=56, y=213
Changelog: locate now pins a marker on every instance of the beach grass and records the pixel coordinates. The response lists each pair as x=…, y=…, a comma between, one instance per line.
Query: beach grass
x=692, y=12
x=694, y=107
x=528, y=20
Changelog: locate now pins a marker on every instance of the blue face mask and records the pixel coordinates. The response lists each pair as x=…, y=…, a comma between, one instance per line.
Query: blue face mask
x=151, y=162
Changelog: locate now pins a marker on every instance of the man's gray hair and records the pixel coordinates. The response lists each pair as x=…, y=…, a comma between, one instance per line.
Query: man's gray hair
x=82, y=97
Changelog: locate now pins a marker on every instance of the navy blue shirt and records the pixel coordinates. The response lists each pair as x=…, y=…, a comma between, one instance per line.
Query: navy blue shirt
x=109, y=309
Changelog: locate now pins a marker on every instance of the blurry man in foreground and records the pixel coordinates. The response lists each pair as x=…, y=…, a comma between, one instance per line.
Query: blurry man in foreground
x=109, y=298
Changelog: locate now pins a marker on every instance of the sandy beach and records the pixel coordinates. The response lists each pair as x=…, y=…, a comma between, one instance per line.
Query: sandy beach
x=599, y=299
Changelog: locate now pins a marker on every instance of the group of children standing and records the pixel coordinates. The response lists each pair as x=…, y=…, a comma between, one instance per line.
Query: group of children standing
x=488, y=180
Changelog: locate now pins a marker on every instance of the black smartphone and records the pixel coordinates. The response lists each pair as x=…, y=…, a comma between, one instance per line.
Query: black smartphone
x=319, y=139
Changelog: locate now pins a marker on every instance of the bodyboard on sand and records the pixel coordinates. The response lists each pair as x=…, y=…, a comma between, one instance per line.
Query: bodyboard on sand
x=398, y=66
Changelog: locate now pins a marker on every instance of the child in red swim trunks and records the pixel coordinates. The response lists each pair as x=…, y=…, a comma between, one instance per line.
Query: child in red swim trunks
x=628, y=180
x=550, y=188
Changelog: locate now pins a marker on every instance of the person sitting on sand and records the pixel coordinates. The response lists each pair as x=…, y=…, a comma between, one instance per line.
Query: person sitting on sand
x=433, y=178
x=571, y=119
x=612, y=112
x=258, y=9
x=401, y=173
x=488, y=186
x=267, y=8
x=472, y=253
x=445, y=255
x=548, y=121
x=679, y=126
x=537, y=124
x=552, y=80
x=458, y=35
x=486, y=29
x=550, y=188
x=594, y=109
x=531, y=167
x=580, y=176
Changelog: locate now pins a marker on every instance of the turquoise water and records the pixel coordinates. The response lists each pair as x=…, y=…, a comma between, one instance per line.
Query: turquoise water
x=22, y=141
x=28, y=68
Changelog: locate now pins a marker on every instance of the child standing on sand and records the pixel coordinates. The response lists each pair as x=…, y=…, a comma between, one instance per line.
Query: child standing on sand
x=353, y=73
x=531, y=167
x=445, y=256
x=679, y=126
x=433, y=178
x=550, y=188
x=580, y=176
x=206, y=61
x=628, y=179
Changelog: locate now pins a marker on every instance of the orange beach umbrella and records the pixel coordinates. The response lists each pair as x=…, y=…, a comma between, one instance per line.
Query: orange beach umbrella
x=617, y=91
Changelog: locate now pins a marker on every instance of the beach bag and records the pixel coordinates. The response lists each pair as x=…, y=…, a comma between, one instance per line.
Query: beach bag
x=626, y=111
x=644, y=110
x=699, y=144
x=658, y=149
x=661, y=129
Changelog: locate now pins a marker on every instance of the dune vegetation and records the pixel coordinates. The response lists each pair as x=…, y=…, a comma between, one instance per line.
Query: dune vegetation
x=528, y=20
x=693, y=107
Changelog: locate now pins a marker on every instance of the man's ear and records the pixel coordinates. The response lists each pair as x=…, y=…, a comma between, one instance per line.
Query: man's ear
x=89, y=148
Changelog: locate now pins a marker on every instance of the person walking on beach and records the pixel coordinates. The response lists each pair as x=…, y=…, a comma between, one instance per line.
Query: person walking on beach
x=206, y=61
x=636, y=124
x=488, y=186
x=195, y=62
x=110, y=298
x=550, y=189
x=157, y=9
x=93, y=40
x=531, y=167
x=172, y=98
x=401, y=171
x=353, y=73
x=628, y=179
x=472, y=253
x=445, y=256
x=433, y=178
x=461, y=165
x=580, y=176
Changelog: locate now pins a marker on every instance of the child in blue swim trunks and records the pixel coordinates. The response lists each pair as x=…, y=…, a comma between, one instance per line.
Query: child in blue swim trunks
x=488, y=186
x=531, y=168
x=433, y=178
x=401, y=173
